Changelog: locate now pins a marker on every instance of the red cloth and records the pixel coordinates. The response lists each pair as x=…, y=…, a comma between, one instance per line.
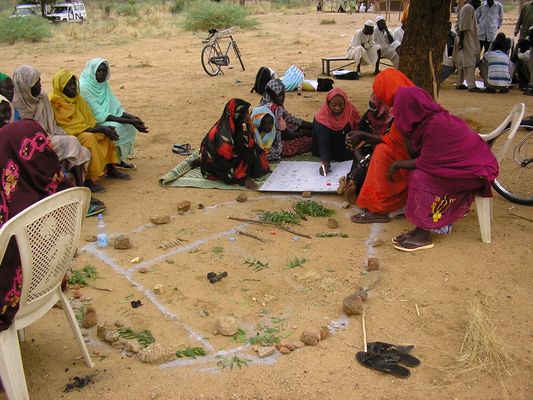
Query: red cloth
x=378, y=194
x=30, y=172
x=296, y=146
x=338, y=123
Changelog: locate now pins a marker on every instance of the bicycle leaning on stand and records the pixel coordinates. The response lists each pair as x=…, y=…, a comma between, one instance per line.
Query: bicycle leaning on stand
x=213, y=58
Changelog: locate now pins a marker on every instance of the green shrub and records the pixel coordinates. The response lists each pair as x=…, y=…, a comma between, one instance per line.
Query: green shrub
x=128, y=10
x=178, y=6
x=205, y=15
x=24, y=29
x=327, y=21
x=288, y=3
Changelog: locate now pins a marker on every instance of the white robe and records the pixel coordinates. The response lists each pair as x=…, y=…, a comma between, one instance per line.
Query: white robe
x=363, y=48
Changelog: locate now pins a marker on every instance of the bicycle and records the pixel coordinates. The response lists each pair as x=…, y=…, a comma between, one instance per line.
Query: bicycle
x=213, y=58
x=515, y=156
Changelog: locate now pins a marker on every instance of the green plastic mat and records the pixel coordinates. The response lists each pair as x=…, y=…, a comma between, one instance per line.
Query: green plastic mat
x=183, y=176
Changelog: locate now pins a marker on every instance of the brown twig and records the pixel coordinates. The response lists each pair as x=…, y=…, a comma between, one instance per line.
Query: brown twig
x=251, y=236
x=364, y=331
x=519, y=216
x=251, y=221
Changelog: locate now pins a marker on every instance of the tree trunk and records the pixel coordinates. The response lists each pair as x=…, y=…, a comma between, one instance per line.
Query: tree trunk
x=426, y=33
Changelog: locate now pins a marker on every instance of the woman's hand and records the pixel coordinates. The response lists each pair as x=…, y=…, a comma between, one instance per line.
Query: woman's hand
x=139, y=125
x=324, y=168
x=353, y=139
x=110, y=132
x=392, y=170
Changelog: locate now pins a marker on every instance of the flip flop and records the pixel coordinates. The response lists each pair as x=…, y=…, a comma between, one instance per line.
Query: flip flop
x=126, y=165
x=375, y=361
x=118, y=175
x=409, y=245
x=182, y=149
x=365, y=218
x=394, y=351
x=95, y=209
x=94, y=187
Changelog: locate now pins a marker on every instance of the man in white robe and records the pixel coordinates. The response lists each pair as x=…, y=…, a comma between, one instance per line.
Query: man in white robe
x=362, y=47
x=466, y=49
x=387, y=45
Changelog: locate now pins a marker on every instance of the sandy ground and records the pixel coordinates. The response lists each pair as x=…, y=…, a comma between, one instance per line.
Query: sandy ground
x=162, y=81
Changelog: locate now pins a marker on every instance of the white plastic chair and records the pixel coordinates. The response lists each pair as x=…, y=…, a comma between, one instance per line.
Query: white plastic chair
x=484, y=204
x=47, y=234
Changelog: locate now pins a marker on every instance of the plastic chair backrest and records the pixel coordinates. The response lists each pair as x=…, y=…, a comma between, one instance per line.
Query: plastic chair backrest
x=47, y=234
x=514, y=117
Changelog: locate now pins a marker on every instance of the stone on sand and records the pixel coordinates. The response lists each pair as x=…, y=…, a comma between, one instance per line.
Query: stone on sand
x=122, y=242
x=227, y=325
x=184, y=205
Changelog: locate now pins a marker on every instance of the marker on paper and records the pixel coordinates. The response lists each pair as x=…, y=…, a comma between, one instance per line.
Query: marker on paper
x=324, y=169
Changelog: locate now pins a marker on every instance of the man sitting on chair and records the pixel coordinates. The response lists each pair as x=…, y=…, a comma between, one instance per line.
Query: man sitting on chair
x=388, y=47
x=363, y=47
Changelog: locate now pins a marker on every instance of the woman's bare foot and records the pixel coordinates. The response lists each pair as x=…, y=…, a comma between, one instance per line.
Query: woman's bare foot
x=350, y=192
x=250, y=184
x=342, y=185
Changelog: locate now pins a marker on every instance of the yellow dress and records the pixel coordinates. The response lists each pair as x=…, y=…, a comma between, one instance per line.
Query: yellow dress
x=75, y=117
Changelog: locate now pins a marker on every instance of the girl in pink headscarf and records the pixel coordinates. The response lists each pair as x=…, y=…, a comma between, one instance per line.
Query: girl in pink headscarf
x=336, y=118
x=452, y=165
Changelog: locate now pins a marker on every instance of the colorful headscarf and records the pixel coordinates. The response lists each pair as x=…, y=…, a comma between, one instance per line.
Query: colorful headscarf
x=274, y=86
x=71, y=114
x=36, y=108
x=3, y=76
x=387, y=83
x=447, y=147
x=337, y=123
x=263, y=139
x=380, y=122
x=99, y=96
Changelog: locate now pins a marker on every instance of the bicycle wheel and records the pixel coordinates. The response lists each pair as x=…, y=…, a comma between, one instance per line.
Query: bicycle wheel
x=238, y=54
x=208, y=52
x=515, y=156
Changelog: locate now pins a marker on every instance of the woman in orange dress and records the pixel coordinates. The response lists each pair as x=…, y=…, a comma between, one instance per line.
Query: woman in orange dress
x=379, y=196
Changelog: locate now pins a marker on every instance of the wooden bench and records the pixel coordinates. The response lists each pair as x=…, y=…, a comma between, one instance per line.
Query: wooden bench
x=326, y=64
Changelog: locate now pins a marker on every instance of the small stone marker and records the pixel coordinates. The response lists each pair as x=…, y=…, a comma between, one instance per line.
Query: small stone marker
x=160, y=219
x=372, y=264
x=184, y=205
x=158, y=289
x=352, y=304
x=265, y=351
x=227, y=326
x=310, y=338
x=122, y=242
x=241, y=198
x=306, y=195
x=332, y=223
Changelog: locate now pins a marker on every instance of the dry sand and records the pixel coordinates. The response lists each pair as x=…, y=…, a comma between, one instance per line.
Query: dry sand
x=162, y=80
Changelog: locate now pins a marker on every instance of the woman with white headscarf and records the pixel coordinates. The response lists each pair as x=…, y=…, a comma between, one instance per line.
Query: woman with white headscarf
x=32, y=103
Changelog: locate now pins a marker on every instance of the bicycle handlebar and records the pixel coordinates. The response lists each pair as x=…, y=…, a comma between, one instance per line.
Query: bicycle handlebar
x=215, y=33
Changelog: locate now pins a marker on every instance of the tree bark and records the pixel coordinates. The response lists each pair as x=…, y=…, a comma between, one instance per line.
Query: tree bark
x=425, y=36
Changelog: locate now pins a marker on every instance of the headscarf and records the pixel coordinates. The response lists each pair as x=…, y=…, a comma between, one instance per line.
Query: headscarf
x=229, y=151
x=30, y=107
x=3, y=76
x=274, y=86
x=447, y=147
x=71, y=114
x=31, y=171
x=382, y=120
x=388, y=82
x=263, y=139
x=99, y=96
x=334, y=122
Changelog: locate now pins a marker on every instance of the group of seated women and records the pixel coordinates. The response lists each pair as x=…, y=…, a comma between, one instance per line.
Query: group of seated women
x=85, y=123
x=409, y=154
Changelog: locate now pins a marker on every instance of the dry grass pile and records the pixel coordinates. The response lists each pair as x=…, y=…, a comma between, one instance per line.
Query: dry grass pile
x=482, y=348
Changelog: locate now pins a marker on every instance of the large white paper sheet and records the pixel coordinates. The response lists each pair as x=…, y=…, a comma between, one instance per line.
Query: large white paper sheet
x=302, y=176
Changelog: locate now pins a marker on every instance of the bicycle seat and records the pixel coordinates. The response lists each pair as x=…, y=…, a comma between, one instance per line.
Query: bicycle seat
x=212, y=31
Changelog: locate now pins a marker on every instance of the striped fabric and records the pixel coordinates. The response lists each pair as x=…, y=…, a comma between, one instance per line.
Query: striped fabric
x=498, y=63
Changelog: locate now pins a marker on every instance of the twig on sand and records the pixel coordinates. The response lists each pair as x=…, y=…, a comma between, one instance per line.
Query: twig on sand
x=251, y=221
x=251, y=236
x=518, y=216
x=364, y=331
x=417, y=310
x=102, y=289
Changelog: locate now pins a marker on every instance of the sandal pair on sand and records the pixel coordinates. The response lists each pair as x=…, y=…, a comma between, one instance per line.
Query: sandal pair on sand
x=96, y=207
x=182, y=149
x=386, y=357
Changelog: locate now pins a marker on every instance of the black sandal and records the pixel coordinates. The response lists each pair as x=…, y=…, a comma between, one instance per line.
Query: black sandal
x=392, y=350
x=381, y=363
x=182, y=149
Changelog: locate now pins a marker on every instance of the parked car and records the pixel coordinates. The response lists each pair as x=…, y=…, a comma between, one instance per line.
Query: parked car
x=27, y=10
x=69, y=12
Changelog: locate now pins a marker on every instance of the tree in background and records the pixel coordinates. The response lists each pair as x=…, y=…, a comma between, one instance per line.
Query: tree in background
x=426, y=33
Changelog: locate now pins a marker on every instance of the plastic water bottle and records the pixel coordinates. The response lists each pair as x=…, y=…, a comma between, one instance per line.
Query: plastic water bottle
x=101, y=234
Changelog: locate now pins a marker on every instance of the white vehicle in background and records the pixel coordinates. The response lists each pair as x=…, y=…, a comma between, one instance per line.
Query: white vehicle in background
x=27, y=10
x=67, y=12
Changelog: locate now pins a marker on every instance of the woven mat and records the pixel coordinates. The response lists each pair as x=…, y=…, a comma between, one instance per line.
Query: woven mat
x=183, y=176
